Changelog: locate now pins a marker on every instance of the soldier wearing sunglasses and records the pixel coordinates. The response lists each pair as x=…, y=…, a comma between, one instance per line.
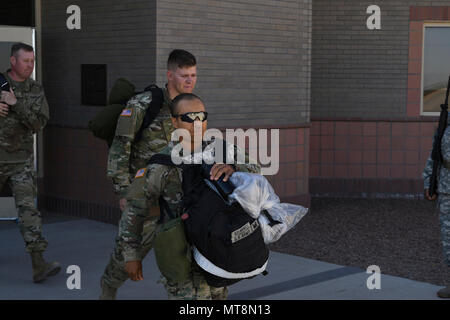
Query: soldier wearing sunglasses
x=188, y=113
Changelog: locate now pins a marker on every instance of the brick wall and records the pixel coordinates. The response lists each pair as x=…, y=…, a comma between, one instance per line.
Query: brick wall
x=368, y=137
x=253, y=57
x=75, y=180
x=121, y=35
x=117, y=33
x=356, y=72
x=292, y=181
x=253, y=71
x=253, y=67
x=369, y=158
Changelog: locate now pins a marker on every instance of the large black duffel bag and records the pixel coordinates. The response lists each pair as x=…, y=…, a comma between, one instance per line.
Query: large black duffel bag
x=227, y=242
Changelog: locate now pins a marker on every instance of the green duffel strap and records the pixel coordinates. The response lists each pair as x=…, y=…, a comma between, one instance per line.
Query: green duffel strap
x=172, y=251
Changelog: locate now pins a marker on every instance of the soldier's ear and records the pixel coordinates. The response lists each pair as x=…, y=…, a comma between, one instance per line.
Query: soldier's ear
x=174, y=122
x=12, y=60
x=170, y=75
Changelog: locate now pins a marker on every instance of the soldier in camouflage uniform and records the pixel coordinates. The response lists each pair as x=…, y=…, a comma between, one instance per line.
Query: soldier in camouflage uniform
x=23, y=112
x=159, y=180
x=443, y=203
x=126, y=155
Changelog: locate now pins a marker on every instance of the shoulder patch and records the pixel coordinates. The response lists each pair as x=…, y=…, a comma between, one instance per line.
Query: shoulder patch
x=127, y=112
x=140, y=173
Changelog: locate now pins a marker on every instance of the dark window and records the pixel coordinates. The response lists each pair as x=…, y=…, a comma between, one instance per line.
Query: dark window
x=93, y=84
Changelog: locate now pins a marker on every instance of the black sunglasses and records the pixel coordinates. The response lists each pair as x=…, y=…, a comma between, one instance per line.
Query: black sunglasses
x=192, y=116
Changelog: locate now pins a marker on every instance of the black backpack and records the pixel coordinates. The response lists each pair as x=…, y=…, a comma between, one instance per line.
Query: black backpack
x=227, y=242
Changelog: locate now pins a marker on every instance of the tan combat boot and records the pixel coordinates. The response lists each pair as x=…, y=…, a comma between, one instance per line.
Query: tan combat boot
x=42, y=269
x=108, y=292
x=444, y=293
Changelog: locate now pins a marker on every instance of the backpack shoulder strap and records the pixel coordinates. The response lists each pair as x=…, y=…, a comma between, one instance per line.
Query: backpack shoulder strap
x=153, y=109
x=164, y=159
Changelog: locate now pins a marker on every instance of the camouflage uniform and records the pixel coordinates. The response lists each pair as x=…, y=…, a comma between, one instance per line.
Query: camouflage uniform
x=29, y=115
x=443, y=203
x=159, y=180
x=125, y=157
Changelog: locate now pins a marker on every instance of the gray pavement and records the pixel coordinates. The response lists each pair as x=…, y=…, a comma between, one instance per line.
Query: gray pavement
x=88, y=243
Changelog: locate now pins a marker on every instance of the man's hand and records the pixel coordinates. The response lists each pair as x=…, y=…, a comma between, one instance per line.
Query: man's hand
x=4, y=108
x=427, y=195
x=9, y=97
x=220, y=168
x=122, y=204
x=134, y=270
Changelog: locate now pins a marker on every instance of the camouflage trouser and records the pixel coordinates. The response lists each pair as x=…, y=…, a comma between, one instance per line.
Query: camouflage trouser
x=115, y=274
x=20, y=178
x=444, y=218
x=195, y=288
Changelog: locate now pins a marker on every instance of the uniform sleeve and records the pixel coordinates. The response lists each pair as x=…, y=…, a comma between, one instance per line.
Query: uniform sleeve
x=33, y=111
x=130, y=229
x=249, y=165
x=136, y=212
x=118, y=168
x=170, y=186
x=160, y=181
x=128, y=124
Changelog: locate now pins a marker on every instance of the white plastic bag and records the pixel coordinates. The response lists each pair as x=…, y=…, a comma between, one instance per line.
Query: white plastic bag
x=255, y=194
x=288, y=214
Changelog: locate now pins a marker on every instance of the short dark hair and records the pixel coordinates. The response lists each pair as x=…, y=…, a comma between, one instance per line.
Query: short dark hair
x=183, y=96
x=180, y=58
x=20, y=46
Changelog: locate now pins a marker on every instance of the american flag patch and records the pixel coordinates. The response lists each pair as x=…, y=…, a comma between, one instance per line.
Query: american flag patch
x=126, y=112
x=140, y=173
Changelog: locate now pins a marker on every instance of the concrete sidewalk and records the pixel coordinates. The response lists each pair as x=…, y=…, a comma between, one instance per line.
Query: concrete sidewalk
x=88, y=243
